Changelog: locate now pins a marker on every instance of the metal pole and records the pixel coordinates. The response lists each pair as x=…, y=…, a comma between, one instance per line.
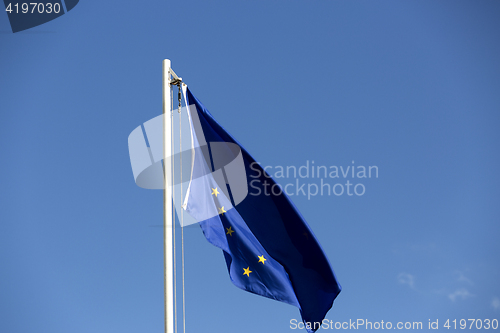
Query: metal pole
x=167, y=196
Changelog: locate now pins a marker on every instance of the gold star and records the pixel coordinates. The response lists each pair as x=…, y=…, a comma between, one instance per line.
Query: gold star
x=214, y=191
x=247, y=271
x=221, y=210
x=262, y=259
x=229, y=231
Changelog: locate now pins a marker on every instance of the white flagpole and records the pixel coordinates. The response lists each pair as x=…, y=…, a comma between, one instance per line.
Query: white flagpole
x=168, y=222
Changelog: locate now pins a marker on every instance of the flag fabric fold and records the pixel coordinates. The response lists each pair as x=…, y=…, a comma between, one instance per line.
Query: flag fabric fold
x=268, y=247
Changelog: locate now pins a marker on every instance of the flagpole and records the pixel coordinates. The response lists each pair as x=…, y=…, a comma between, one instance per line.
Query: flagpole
x=167, y=196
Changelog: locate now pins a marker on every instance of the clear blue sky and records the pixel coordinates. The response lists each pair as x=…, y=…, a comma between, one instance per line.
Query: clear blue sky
x=411, y=87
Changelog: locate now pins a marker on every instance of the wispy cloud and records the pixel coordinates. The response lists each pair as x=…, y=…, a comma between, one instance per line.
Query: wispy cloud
x=495, y=303
x=405, y=278
x=463, y=278
x=460, y=293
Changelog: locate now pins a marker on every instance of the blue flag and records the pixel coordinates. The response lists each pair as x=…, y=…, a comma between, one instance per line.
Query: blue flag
x=268, y=247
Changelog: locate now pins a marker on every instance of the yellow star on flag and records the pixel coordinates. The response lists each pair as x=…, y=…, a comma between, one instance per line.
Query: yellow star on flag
x=262, y=259
x=221, y=210
x=229, y=231
x=247, y=271
x=215, y=192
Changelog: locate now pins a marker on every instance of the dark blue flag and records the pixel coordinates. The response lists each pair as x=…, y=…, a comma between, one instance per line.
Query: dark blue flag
x=268, y=247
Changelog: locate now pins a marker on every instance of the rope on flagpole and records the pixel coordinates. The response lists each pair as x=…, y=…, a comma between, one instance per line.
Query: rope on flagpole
x=173, y=203
x=182, y=212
